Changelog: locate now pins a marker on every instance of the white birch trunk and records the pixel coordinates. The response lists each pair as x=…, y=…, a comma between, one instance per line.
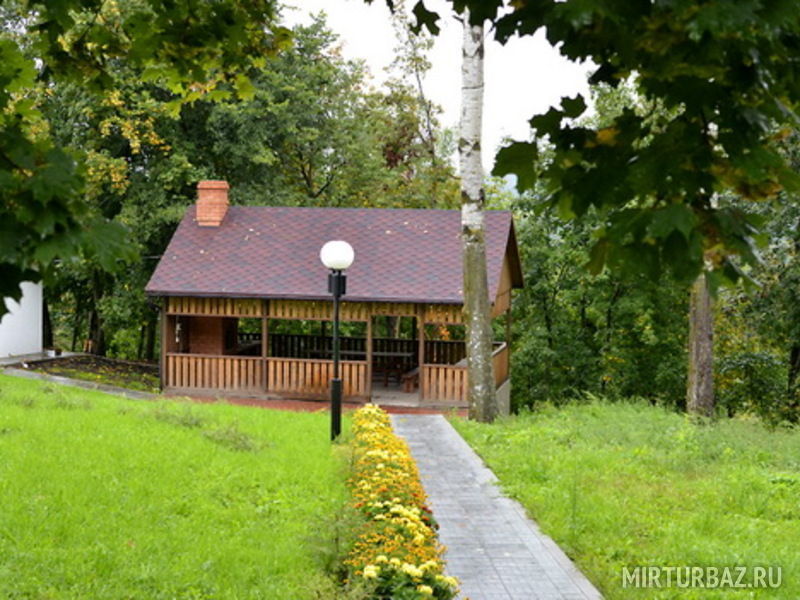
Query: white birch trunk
x=477, y=309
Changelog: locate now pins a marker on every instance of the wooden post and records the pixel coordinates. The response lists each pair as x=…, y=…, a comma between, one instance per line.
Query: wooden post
x=265, y=346
x=421, y=352
x=162, y=363
x=369, y=353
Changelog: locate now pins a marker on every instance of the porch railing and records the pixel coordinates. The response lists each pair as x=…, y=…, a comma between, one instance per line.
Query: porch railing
x=312, y=378
x=291, y=377
x=448, y=383
x=200, y=371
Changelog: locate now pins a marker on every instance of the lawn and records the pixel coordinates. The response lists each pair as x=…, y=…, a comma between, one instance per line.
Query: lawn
x=628, y=484
x=102, y=497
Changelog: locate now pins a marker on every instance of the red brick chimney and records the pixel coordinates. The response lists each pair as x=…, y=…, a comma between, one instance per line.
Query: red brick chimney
x=212, y=202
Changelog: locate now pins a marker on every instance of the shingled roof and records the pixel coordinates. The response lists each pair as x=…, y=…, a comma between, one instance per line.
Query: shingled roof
x=401, y=255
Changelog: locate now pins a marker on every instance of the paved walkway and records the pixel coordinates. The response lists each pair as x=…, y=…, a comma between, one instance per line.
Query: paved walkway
x=492, y=547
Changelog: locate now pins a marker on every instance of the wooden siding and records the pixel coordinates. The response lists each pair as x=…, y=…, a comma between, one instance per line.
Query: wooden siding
x=312, y=310
x=446, y=314
x=217, y=307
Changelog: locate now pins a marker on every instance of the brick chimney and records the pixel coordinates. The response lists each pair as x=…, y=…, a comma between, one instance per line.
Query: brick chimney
x=212, y=202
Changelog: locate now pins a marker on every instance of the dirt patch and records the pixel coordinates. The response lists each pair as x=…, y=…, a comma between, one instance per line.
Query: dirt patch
x=132, y=375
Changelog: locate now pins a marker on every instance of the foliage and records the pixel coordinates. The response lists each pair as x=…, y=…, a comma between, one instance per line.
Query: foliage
x=397, y=550
x=612, y=334
x=190, y=47
x=723, y=76
x=308, y=134
x=107, y=498
x=627, y=484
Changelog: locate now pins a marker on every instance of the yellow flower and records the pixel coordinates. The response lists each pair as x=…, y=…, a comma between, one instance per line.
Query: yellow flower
x=371, y=571
x=412, y=570
x=425, y=589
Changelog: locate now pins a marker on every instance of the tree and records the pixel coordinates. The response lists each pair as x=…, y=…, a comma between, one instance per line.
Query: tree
x=308, y=135
x=725, y=75
x=191, y=47
x=477, y=311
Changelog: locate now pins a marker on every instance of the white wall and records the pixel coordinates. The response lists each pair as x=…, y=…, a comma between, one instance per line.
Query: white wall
x=21, y=328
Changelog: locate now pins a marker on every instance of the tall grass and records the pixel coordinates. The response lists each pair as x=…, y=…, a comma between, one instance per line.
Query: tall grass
x=107, y=498
x=627, y=484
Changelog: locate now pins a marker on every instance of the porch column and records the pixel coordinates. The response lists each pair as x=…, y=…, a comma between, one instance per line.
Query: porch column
x=421, y=351
x=369, y=353
x=162, y=363
x=265, y=345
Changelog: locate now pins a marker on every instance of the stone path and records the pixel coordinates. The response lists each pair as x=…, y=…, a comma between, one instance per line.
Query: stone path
x=493, y=548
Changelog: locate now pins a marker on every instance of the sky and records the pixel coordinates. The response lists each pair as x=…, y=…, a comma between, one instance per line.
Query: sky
x=522, y=78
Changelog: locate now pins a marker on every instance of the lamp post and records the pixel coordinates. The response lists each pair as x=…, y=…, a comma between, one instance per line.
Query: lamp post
x=336, y=256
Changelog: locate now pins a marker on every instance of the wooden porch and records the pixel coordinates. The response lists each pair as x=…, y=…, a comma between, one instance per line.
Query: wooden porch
x=204, y=353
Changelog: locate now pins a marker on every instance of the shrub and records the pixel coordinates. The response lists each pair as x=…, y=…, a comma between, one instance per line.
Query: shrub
x=397, y=552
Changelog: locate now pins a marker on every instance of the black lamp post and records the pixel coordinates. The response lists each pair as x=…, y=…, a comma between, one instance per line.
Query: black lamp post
x=336, y=256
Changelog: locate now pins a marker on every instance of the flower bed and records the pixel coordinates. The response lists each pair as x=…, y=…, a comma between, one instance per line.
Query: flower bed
x=397, y=552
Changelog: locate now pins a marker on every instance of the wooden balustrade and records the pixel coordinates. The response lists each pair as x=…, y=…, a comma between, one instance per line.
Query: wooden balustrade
x=443, y=383
x=448, y=383
x=200, y=371
x=248, y=338
x=312, y=378
x=500, y=358
x=286, y=345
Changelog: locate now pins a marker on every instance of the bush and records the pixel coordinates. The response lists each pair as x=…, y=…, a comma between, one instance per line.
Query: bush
x=753, y=382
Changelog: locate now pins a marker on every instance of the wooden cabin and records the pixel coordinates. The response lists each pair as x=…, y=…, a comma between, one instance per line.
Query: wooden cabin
x=246, y=309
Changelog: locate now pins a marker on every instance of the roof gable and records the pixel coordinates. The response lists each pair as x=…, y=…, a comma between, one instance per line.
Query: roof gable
x=401, y=255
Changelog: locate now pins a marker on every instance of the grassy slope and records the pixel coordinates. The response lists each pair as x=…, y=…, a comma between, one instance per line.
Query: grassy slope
x=106, y=498
x=620, y=484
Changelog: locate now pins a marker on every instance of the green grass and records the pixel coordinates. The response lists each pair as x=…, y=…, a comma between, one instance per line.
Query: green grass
x=626, y=484
x=106, y=498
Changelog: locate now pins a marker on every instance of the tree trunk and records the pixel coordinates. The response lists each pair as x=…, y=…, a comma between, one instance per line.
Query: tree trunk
x=47, y=325
x=140, y=343
x=150, y=337
x=700, y=382
x=481, y=393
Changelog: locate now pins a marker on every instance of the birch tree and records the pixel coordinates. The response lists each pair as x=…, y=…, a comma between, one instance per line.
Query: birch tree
x=481, y=394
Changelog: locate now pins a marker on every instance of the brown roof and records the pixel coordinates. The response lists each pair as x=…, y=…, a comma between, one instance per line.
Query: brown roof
x=273, y=252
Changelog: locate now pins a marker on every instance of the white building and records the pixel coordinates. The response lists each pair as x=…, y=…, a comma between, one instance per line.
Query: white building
x=21, y=327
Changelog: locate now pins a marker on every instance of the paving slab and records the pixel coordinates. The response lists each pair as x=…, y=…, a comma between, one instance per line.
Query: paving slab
x=493, y=548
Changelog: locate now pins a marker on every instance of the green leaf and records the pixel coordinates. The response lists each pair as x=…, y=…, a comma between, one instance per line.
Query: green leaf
x=674, y=217
x=597, y=256
x=517, y=159
x=548, y=123
x=573, y=107
x=425, y=18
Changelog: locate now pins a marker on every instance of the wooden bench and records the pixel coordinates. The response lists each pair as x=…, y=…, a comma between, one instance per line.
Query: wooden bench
x=410, y=380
